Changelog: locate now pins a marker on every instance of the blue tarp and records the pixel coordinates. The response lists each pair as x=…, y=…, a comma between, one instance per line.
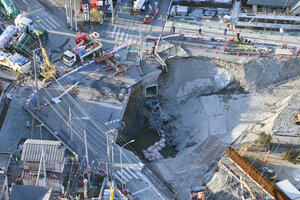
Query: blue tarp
x=16, y=58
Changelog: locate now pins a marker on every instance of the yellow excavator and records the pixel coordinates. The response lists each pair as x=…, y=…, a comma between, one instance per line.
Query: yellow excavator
x=48, y=71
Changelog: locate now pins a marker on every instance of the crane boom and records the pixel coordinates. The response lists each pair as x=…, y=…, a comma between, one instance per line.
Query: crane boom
x=48, y=71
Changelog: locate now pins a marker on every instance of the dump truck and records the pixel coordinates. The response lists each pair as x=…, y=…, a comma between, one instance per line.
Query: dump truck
x=8, y=9
x=15, y=62
x=81, y=52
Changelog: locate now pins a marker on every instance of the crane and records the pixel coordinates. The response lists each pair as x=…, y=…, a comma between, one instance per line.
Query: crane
x=47, y=70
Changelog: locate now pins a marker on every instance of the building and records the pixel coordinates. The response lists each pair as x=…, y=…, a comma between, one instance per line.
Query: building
x=55, y=160
x=275, y=15
x=272, y=6
x=4, y=164
x=289, y=189
x=25, y=192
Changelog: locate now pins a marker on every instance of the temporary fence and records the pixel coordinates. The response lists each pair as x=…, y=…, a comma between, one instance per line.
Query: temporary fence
x=256, y=175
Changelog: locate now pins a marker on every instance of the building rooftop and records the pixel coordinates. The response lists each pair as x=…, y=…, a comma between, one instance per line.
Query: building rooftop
x=32, y=150
x=288, y=188
x=4, y=161
x=25, y=192
x=278, y=3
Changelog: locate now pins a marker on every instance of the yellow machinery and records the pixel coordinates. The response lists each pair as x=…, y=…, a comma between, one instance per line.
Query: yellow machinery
x=112, y=187
x=47, y=70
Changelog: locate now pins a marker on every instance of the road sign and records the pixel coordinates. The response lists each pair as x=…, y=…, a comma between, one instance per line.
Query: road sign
x=86, y=12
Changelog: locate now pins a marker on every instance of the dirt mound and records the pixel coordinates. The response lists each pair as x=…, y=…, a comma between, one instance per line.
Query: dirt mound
x=261, y=73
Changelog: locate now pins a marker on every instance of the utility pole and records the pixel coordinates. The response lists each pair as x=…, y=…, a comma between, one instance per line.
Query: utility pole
x=71, y=14
x=44, y=168
x=112, y=11
x=111, y=139
x=70, y=125
x=67, y=12
x=75, y=17
x=35, y=77
x=87, y=156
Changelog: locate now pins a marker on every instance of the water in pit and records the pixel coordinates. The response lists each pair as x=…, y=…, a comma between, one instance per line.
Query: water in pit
x=145, y=138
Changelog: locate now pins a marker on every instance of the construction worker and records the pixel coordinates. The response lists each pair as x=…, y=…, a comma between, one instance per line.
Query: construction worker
x=199, y=31
x=225, y=31
x=38, y=19
x=27, y=124
x=173, y=29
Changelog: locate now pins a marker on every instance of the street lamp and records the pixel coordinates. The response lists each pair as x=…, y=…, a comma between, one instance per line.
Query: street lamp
x=121, y=161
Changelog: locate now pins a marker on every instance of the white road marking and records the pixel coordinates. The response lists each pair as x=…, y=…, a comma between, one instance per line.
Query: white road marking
x=118, y=33
x=131, y=172
x=48, y=23
x=122, y=35
x=25, y=3
x=34, y=11
x=55, y=22
x=126, y=37
x=113, y=32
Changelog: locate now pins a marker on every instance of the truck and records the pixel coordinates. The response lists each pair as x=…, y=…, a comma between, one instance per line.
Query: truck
x=81, y=52
x=27, y=42
x=8, y=9
x=139, y=6
x=15, y=62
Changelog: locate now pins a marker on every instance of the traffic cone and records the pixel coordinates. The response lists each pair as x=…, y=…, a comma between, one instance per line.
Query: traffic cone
x=259, y=54
x=93, y=74
x=145, y=58
x=289, y=56
x=249, y=54
x=76, y=86
x=281, y=56
x=205, y=50
x=152, y=56
x=98, y=70
x=129, y=65
x=216, y=51
x=71, y=90
x=275, y=41
x=87, y=78
x=224, y=47
x=81, y=82
x=285, y=142
x=238, y=54
x=202, y=39
x=270, y=55
x=199, y=45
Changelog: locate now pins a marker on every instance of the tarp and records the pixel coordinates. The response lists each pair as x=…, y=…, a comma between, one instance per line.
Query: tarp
x=6, y=35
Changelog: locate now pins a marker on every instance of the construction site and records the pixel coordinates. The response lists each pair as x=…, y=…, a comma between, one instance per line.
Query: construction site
x=150, y=99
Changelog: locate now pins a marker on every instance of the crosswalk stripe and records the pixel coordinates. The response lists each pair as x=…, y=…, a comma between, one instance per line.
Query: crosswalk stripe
x=131, y=172
x=113, y=32
x=47, y=23
x=56, y=23
x=118, y=33
x=126, y=37
x=122, y=176
x=122, y=35
x=41, y=25
x=127, y=175
x=117, y=177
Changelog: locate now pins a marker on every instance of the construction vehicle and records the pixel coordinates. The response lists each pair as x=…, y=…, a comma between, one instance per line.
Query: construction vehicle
x=198, y=193
x=27, y=42
x=244, y=48
x=8, y=9
x=47, y=70
x=15, y=63
x=139, y=6
x=148, y=18
x=81, y=52
x=267, y=172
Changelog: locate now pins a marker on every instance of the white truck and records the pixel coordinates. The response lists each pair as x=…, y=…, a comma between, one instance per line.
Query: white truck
x=11, y=34
x=139, y=6
x=81, y=52
x=15, y=62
